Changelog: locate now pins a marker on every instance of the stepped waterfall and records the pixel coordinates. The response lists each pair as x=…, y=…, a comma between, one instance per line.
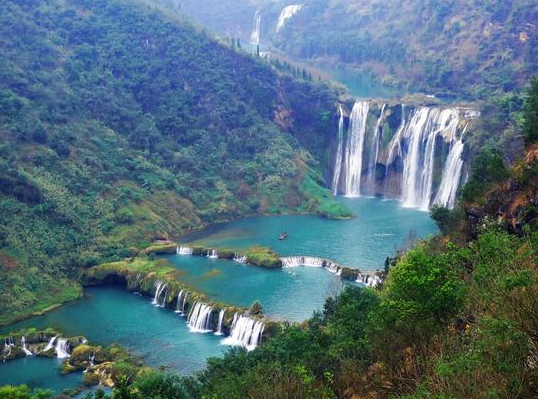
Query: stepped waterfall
x=246, y=332
x=221, y=319
x=24, y=348
x=255, y=37
x=422, y=161
x=199, y=319
x=184, y=250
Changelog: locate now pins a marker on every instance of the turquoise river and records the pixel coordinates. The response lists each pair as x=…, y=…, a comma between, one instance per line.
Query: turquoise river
x=161, y=338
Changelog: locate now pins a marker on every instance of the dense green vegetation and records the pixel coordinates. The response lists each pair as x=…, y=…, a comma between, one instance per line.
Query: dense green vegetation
x=119, y=125
x=456, y=318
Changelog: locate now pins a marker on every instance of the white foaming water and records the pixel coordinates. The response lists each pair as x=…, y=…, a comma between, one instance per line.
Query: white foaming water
x=287, y=13
x=24, y=348
x=178, y=303
x=184, y=250
x=339, y=151
x=221, y=318
x=374, y=152
x=295, y=261
x=199, y=319
x=369, y=281
x=246, y=332
x=159, y=299
x=240, y=258
x=255, y=37
x=213, y=254
x=50, y=345
x=62, y=348
x=353, y=154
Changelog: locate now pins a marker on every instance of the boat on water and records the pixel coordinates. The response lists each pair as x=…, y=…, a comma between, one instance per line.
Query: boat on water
x=283, y=236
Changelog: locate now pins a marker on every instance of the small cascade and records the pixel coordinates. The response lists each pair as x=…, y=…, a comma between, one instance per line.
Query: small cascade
x=213, y=254
x=62, y=348
x=181, y=250
x=159, y=299
x=246, y=332
x=199, y=319
x=221, y=318
x=295, y=261
x=368, y=280
x=91, y=358
x=334, y=269
x=178, y=303
x=255, y=37
x=287, y=13
x=50, y=345
x=446, y=195
x=374, y=152
x=24, y=348
x=184, y=302
x=354, y=148
x=240, y=258
x=339, y=151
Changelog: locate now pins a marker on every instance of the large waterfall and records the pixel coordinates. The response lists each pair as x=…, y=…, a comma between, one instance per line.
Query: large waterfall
x=354, y=149
x=422, y=161
x=255, y=37
x=287, y=13
x=246, y=332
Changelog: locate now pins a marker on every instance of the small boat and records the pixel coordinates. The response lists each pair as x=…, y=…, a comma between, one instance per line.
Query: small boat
x=283, y=236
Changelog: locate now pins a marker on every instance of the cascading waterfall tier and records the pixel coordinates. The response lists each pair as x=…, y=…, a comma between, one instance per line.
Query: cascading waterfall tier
x=24, y=348
x=213, y=254
x=160, y=294
x=199, y=319
x=221, y=319
x=240, y=258
x=287, y=13
x=246, y=332
x=368, y=280
x=255, y=37
x=310, y=261
x=62, y=348
x=179, y=303
x=181, y=250
x=424, y=155
x=348, y=166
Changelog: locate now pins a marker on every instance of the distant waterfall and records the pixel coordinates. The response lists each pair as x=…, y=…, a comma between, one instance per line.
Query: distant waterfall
x=246, y=332
x=369, y=281
x=24, y=348
x=160, y=288
x=184, y=250
x=256, y=28
x=353, y=154
x=287, y=13
x=62, y=348
x=446, y=195
x=213, y=254
x=178, y=303
x=295, y=261
x=340, y=149
x=422, y=132
x=221, y=319
x=240, y=258
x=374, y=152
x=199, y=319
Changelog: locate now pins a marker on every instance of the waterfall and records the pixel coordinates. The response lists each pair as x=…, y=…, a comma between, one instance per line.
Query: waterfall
x=160, y=287
x=91, y=358
x=221, y=318
x=355, y=148
x=24, y=348
x=295, y=261
x=334, y=269
x=423, y=129
x=213, y=254
x=374, y=153
x=367, y=280
x=178, y=303
x=183, y=250
x=184, y=303
x=246, y=332
x=255, y=37
x=199, y=319
x=240, y=258
x=446, y=195
x=287, y=13
x=50, y=345
x=62, y=348
x=338, y=161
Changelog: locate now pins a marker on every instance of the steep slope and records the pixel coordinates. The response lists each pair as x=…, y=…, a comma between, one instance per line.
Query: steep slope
x=119, y=126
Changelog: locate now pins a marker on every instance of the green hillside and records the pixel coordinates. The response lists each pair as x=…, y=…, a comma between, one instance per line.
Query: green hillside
x=119, y=126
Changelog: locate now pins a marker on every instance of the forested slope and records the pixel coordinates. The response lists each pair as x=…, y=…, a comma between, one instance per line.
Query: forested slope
x=119, y=126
